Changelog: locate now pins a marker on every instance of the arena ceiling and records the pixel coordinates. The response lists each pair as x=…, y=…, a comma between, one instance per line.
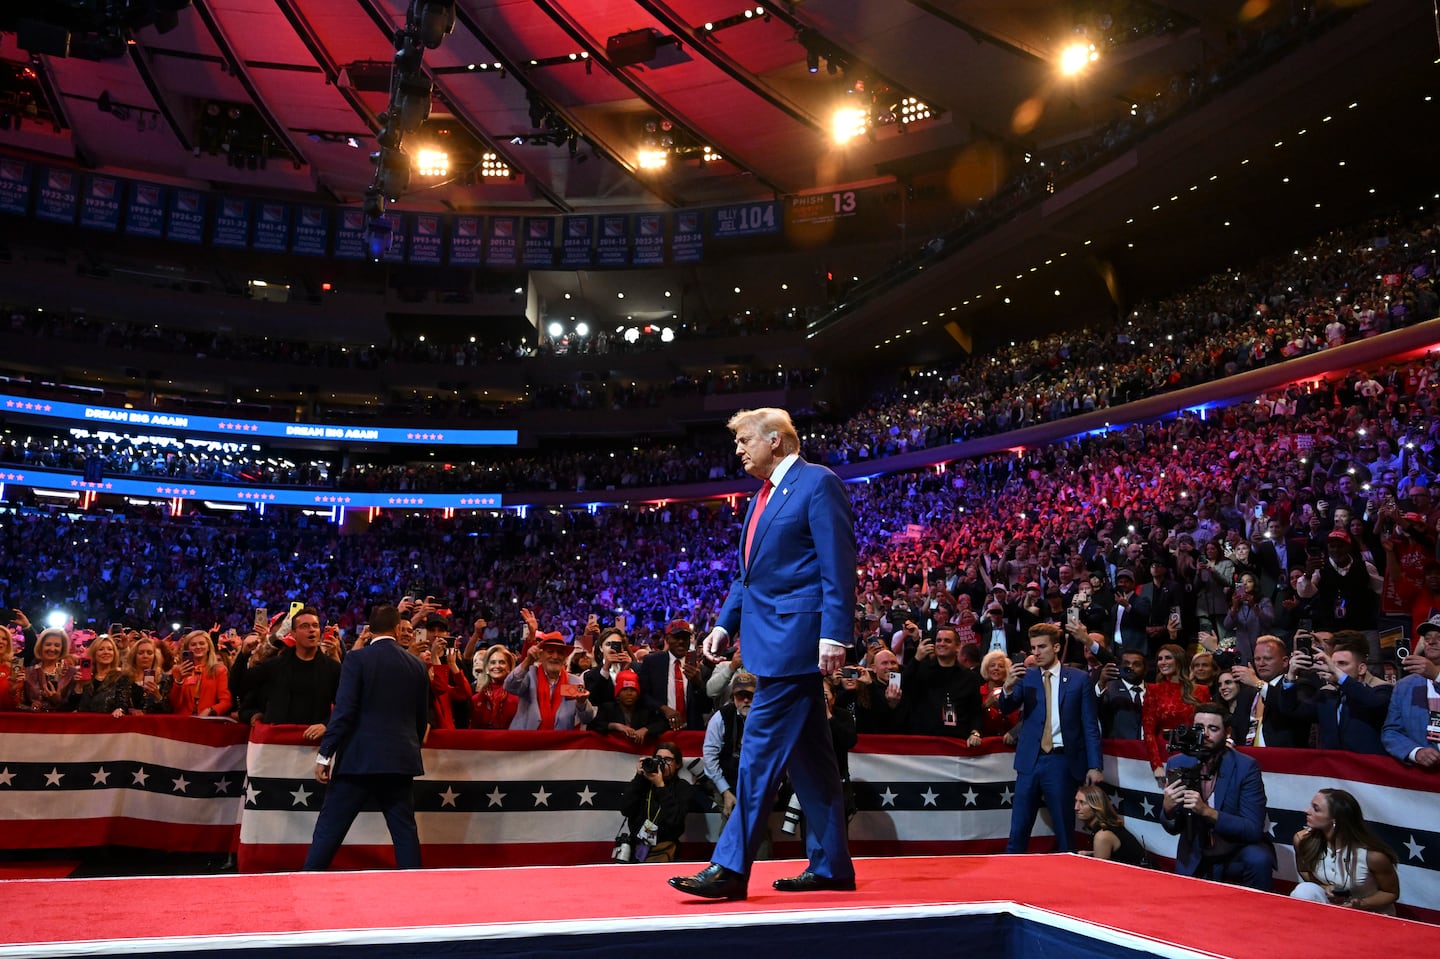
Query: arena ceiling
x=545, y=86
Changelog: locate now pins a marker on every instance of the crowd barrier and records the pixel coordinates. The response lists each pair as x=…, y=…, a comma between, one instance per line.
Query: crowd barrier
x=531, y=798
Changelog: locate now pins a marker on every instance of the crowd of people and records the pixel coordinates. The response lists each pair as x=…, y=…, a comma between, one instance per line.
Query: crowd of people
x=1348, y=285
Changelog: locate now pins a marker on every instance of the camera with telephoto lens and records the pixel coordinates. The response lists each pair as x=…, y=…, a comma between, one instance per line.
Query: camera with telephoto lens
x=791, y=825
x=651, y=764
x=624, y=850
x=1188, y=741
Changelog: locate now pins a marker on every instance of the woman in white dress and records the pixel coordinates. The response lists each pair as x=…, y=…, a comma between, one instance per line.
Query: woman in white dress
x=1340, y=860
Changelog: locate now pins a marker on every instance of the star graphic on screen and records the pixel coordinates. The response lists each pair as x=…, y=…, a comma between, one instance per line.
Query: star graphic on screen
x=6, y=777
x=1006, y=796
x=497, y=798
x=1270, y=827
x=930, y=795
x=222, y=786
x=887, y=798
x=587, y=798
x=140, y=776
x=542, y=798
x=53, y=777
x=970, y=796
x=1148, y=808
x=180, y=784
x=251, y=793
x=300, y=797
x=1416, y=850
x=448, y=797
x=101, y=777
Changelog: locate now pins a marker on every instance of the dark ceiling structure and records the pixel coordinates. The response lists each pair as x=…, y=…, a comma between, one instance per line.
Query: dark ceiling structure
x=552, y=106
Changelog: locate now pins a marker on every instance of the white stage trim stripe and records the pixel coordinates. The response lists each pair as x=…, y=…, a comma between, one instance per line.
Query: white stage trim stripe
x=349, y=938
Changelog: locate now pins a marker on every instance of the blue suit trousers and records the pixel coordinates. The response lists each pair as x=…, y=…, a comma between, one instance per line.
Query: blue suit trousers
x=787, y=729
x=345, y=796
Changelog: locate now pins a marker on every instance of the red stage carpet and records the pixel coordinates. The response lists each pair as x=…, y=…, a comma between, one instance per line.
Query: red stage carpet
x=1069, y=902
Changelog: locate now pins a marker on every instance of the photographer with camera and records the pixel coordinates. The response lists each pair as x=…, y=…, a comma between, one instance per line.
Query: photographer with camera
x=1215, y=802
x=655, y=804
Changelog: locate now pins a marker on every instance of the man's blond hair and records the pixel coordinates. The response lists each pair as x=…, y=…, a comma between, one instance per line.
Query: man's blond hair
x=771, y=421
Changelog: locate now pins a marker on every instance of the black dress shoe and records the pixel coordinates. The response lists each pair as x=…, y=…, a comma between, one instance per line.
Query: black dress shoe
x=808, y=881
x=712, y=882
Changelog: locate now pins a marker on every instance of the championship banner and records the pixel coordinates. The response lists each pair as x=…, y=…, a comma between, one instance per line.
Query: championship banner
x=649, y=239
x=186, y=222
x=688, y=244
x=145, y=211
x=100, y=208
x=575, y=247
x=272, y=227
x=350, y=236
x=58, y=194
x=154, y=782
x=310, y=234
x=398, y=237
x=427, y=236
x=539, y=242
x=502, y=249
x=465, y=240
x=232, y=223
x=14, y=186
x=612, y=246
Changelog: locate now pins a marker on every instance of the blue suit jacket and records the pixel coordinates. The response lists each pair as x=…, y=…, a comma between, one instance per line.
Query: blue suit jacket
x=1079, y=720
x=380, y=715
x=800, y=583
x=1239, y=798
x=1408, y=716
x=1365, y=711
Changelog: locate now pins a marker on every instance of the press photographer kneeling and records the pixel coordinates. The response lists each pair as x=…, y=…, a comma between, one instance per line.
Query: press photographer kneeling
x=655, y=805
x=1215, y=802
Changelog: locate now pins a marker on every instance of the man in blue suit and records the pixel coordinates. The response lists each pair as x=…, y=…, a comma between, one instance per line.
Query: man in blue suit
x=371, y=747
x=1412, y=729
x=1059, y=744
x=792, y=606
x=1218, y=810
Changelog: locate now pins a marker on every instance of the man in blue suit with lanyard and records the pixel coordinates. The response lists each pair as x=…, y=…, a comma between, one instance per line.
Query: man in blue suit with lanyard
x=1059, y=744
x=792, y=606
x=371, y=747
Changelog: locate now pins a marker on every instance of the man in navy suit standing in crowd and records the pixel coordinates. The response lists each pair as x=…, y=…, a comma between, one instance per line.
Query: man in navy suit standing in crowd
x=1059, y=745
x=371, y=747
x=792, y=605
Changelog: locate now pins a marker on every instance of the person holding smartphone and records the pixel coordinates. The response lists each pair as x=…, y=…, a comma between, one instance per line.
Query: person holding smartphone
x=674, y=682
x=50, y=680
x=547, y=696
x=150, y=689
x=201, y=681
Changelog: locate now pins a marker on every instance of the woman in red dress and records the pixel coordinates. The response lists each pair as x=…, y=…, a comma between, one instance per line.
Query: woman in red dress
x=1169, y=703
x=494, y=706
x=992, y=670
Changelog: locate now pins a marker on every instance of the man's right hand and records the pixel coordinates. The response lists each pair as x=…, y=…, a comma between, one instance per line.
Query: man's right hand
x=716, y=641
x=1415, y=663
x=1428, y=757
x=1013, y=675
x=727, y=802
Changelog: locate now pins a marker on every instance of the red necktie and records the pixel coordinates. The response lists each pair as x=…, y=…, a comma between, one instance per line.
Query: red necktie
x=679, y=688
x=760, y=502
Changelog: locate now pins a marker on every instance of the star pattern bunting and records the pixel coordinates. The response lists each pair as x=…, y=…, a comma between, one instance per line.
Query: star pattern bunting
x=110, y=774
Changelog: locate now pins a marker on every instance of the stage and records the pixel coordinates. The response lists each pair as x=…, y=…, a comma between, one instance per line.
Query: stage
x=1000, y=906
